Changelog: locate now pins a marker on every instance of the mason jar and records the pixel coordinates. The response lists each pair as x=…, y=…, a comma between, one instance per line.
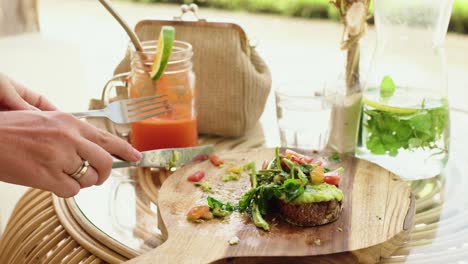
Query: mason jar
x=174, y=129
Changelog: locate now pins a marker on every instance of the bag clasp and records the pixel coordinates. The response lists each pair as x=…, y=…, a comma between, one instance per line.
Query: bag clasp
x=189, y=9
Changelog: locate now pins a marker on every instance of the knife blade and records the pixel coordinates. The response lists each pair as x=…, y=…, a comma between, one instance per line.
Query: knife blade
x=166, y=158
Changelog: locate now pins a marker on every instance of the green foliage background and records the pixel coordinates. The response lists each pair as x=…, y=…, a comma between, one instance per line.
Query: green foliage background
x=308, y=9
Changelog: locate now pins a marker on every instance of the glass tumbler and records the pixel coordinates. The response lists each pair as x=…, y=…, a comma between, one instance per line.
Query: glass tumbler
x=303, y=116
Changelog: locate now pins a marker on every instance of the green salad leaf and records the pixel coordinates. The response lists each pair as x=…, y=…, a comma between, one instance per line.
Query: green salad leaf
x=220, y=209
x=292, y=189
x=230, y=177
x=278, y=159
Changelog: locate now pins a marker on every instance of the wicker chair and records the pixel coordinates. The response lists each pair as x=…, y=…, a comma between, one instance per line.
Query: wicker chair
x=42, y=230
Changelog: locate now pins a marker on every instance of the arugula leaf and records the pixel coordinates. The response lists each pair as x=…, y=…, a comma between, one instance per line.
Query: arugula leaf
x=253, y=172
x=258, y=218
x=292, y=189
x=307, y=168
x=301, y=175
x=220, y=209
x=263, y=197
x=278, y=160
x=246, y=200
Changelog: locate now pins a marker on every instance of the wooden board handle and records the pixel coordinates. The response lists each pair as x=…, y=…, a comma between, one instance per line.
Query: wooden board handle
x=183, y=248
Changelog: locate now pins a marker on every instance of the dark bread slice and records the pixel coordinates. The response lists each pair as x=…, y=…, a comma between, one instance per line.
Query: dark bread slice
x=310, y=214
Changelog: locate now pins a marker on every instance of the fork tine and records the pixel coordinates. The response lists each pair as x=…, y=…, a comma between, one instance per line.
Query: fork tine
x=142, y=105
x=137, y=100
x=147, y=110
x=139, y=118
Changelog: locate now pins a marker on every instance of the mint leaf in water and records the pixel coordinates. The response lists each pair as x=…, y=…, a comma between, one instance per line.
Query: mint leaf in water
x=387, y=87
x=389, y=132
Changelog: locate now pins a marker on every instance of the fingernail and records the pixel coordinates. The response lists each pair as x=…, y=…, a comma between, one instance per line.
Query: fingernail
x=136, y=154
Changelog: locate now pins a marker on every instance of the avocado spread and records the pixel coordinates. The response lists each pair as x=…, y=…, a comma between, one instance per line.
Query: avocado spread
x=319, y=193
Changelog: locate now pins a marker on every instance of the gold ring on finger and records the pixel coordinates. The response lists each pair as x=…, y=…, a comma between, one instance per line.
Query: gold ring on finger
x=81, y=171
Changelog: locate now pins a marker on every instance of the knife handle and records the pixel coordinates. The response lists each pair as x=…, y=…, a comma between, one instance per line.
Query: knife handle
x=123, y=164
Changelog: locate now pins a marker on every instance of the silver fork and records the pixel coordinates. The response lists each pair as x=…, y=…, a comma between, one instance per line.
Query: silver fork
x=131, y=110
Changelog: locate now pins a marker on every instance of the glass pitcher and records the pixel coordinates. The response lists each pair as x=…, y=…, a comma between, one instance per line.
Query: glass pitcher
x=405, y=118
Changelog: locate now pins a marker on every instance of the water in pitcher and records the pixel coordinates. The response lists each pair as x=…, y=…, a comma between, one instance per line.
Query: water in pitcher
x=405, y=119
x=407, y=136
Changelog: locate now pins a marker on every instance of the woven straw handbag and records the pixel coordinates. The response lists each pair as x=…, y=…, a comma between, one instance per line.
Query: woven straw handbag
x=232, y=81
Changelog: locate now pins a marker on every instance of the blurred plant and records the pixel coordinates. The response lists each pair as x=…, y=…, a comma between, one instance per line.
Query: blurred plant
x=308, y=8
x=354, y=15
x=346, y=109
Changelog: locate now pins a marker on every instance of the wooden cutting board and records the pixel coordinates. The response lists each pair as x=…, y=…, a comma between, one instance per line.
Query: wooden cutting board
x=376, y=219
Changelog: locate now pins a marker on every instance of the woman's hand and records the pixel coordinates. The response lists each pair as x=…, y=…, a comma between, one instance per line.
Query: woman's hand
x=42, y=149
x=15, y=96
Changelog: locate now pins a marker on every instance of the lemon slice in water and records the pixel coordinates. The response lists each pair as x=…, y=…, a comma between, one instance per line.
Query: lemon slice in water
x=387, y=108
x=163, y=51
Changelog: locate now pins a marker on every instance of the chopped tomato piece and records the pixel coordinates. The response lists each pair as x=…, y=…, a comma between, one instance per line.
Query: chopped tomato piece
x=201, y=157
x=338, y=172
x=333, y=180
x=296, y=159
x=199, y=212
x=215, y=160
x=308, y=159
x=289, y=153
x=196, y=176
x=322, y=162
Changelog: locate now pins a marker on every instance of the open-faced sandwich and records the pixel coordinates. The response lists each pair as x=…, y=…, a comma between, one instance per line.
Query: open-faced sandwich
x=303, y=191
x=319, y=201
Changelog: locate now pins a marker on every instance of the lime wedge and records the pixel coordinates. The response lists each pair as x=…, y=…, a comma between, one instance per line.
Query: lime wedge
x=387, y=108
x=163, y=52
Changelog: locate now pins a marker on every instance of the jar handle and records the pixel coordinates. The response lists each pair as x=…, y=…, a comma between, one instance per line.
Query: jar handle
x=119, y=84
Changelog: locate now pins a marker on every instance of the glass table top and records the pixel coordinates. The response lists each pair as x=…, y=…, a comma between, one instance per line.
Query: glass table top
x=122, y=207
